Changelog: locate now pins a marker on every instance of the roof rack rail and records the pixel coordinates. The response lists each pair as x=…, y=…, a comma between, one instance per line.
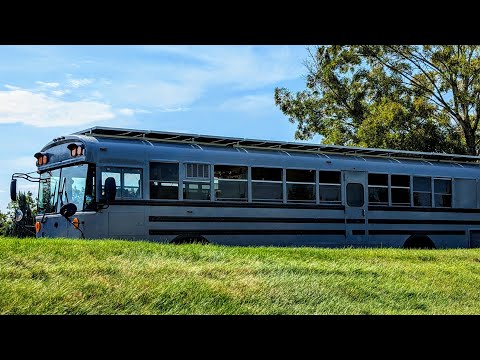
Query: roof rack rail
x=164, y=136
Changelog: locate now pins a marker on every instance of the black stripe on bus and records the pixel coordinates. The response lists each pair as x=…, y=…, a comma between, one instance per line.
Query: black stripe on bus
x=355, y=221
x=224, y=204
x=246, y=232
x=430, y=222
x=242, y=219
x=416, y=232
x=421, y=209
x=358, y=232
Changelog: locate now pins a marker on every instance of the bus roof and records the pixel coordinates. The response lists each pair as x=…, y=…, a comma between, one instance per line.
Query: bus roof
x=163, y=136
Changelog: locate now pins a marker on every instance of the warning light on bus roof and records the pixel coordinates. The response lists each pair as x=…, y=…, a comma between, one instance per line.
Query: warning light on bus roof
x=76, y=150
x=42, y=158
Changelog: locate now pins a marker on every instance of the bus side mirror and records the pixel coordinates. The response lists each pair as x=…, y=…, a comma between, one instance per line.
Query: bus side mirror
x=68, y=210
x=110, y=189
x=13, y=190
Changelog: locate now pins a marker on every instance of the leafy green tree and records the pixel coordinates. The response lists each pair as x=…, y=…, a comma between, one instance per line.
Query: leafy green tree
x=4, y=223
x=412, y=97
x=25, y=227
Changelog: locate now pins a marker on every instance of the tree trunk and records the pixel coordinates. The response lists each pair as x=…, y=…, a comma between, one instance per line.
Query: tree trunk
x=470, y=141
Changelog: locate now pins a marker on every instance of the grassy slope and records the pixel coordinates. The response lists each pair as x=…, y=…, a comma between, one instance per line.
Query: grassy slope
x=119, y=277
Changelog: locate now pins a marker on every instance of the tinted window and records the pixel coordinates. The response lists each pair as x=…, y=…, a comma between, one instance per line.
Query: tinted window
x=355, y=196
x=163, y=171
x=301, y=192
x=231, y=190
x=378, y=179
x=422, y=184
x=196, y=190
x=164, y=181
x=329, y=177
x=267, y=191
x=268, y=174
x=330, y=193
x=401, y=180
x=400, y=196
x=422, y=199
x=230, y=172
x=307, y=176
x=378, y=195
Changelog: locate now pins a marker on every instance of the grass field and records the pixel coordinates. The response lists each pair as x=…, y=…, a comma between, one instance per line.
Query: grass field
x=119, y=277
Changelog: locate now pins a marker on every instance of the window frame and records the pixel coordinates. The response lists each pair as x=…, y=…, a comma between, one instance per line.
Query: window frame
x=422, y=192
x=282, y=182
x=213, y=194
x=122, y=182
x=390, y=187
x=314, y=183
x=179, y=193
x=379, y=186
x=340, y=185
x=196, y=180
x=434, y=192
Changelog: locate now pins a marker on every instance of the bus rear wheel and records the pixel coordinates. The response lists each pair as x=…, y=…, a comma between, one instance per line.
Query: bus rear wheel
x=419, y=242
x=190, y=239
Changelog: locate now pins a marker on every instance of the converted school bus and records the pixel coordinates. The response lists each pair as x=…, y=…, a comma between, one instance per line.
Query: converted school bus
x=172, y=187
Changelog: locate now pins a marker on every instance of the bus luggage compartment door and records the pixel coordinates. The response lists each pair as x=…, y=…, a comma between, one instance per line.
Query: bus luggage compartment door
x=356, y=206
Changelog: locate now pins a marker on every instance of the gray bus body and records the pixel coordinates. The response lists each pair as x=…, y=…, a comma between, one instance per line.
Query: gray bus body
x=175, y=187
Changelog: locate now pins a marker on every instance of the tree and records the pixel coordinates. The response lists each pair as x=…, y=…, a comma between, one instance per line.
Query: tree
x=424, y=98
x=4, y=223
x=24, y=228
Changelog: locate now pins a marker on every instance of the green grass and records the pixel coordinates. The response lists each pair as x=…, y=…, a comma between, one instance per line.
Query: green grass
x=59, y=276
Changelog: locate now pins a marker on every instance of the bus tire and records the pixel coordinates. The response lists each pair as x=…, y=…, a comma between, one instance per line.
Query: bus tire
x=190, y=239
x=419, y=242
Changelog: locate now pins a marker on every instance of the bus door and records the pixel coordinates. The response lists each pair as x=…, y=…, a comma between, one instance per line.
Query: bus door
x=356, y=206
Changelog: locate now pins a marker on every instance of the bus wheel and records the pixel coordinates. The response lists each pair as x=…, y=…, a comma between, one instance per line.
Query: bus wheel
x=190, y=239
x=419, y=242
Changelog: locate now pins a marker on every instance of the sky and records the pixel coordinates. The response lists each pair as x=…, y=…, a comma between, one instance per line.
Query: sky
x=50, y=91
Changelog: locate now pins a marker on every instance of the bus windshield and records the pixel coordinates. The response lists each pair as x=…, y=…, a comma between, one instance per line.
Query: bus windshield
x=73, y=184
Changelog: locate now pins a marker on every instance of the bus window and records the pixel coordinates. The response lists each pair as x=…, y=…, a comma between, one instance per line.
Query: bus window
x=132, y=183
x=128, y=182
x=378, y=189
x=400, y=188
x=115, y=173
x=443, y=192
x=163, y=181
x=422, y=191
x=355, y=195
x=267, y=184
x=230, y=182
x=300, y=185
x=330, y=186
x=196, y=185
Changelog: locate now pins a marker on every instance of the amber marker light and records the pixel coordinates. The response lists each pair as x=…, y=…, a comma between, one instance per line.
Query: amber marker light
x=38, y=226
x=75, y=222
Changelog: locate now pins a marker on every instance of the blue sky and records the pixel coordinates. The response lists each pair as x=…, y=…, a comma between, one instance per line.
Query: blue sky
x=49, y=91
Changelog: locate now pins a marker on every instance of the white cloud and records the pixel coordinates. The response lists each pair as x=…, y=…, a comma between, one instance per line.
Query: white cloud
x=11, y=87
x=44, y=111
x=76, y=83
x=48, y=84
x=126, y=112
x=249, y=103
x=177, y=109
x=59, y=92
